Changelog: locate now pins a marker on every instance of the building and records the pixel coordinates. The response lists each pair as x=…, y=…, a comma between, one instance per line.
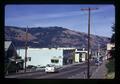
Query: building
x=10, y=50
x=56, y=56
x=80, y=55
x=44, y=56
x=12, y=60
x=110, y=46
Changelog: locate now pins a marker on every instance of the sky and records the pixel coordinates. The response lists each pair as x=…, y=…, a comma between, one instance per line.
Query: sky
x=69, y=16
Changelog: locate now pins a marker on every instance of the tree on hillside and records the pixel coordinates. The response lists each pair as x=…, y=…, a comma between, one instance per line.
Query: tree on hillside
x=113, y=35
x=112, y=52
x=111, y=64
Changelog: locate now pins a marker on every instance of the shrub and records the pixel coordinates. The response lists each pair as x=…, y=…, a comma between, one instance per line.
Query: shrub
x=111, y=65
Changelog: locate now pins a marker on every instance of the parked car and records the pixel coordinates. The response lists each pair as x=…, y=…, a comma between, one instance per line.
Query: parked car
x=51, y=68
x=40, y=68
x=31, y=68
x=97, y=62
x=101, y=60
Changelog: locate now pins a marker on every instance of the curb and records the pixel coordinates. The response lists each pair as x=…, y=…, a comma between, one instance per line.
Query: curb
x=69, y=65
x=21, y=73
x=95, y=72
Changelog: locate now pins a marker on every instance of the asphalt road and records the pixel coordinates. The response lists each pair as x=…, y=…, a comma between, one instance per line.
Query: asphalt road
x=78, y=71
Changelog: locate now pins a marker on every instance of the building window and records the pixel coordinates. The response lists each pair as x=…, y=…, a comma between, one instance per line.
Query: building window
x=54, y=60
x=29, y=58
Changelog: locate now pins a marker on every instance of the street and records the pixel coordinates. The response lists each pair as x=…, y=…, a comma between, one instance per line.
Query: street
x=78, y=71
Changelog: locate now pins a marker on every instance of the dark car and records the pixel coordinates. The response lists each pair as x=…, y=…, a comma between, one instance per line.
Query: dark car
x=97, y=62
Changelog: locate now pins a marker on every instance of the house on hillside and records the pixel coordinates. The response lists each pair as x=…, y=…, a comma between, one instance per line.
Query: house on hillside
x=110, y=46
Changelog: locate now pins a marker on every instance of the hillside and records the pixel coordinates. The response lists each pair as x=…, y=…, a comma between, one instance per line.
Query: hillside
x=52, y=37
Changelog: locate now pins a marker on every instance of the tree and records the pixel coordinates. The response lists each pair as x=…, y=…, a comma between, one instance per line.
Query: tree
x=112, y=51
x=113, y=35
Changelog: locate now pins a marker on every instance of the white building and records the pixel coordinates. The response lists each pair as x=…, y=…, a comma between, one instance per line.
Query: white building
x=110, y=46
x=80, y=55
x=44, y=56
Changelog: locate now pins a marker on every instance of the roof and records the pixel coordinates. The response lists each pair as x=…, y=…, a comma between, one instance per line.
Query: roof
x=81, y=51
x=7, y=45
x=60, y=48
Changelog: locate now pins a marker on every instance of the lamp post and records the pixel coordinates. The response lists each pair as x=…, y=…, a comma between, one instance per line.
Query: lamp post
x=89, y=10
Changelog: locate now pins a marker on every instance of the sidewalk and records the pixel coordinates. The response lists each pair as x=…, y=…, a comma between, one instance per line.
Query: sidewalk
x=100, y=72
x=69, y=65
x=23, y=72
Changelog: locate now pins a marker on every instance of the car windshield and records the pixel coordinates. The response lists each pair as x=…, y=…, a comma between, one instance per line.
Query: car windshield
x=50, y=65
x=41, y=66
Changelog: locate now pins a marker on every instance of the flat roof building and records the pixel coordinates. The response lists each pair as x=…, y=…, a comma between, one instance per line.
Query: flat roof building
x=44, y=56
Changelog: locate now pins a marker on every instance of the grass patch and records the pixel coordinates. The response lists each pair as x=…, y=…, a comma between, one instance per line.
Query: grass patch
x=111, y=75
x=110, y=69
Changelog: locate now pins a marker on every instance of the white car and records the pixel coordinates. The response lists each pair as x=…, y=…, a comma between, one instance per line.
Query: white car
x=51, y=68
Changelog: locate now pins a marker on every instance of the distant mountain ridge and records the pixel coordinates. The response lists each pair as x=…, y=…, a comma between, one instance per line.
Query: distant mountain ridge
x=39, y=37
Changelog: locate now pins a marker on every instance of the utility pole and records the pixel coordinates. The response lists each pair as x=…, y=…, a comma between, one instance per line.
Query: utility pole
x=89, y=10
x=26, y=39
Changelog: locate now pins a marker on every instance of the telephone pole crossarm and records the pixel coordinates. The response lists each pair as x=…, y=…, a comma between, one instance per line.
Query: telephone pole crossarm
x=83, y=9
